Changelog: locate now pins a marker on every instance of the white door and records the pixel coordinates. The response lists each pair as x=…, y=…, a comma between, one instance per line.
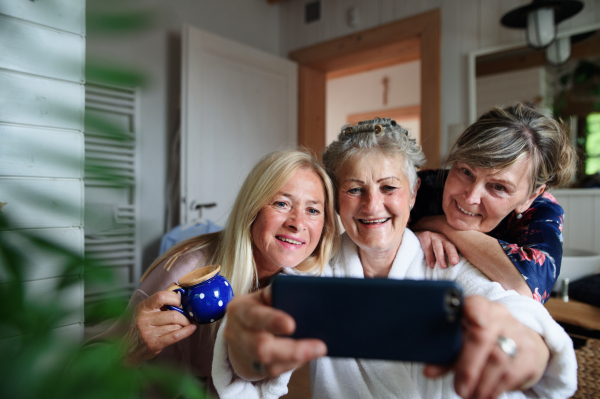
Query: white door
x=238, y=104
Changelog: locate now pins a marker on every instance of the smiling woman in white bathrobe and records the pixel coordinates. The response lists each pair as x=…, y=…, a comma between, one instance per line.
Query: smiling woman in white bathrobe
x=373, y=166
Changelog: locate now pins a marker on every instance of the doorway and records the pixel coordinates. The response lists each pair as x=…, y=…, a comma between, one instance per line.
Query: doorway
x=389, y=92
x=414, y=38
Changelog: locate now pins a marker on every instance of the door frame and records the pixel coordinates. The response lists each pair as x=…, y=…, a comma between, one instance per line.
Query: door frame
x=416, y=37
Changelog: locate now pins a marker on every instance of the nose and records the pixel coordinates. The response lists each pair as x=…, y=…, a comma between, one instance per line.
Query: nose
x=373, y=203
x=296, y=220
x=473, y=194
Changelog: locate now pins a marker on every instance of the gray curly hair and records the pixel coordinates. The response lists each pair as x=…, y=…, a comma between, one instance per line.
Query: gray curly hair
x=381, y=135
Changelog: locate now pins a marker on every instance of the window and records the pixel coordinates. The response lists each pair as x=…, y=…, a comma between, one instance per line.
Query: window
x=592, y=144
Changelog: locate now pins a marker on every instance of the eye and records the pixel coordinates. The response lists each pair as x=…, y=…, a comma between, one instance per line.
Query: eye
x=498, y=187
x=280, y=204
x=388, y=189
x=466, y=172
x=355, y=190
x=313, y=212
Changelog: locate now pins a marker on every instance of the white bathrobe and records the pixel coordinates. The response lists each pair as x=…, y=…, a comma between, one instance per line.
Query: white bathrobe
x=359, y=378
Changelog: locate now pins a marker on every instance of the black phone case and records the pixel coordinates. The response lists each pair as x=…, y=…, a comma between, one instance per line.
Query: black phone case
x=408, y=320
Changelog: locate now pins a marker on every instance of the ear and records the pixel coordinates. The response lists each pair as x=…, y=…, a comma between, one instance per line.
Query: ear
x=414, y=196
x=525, y=205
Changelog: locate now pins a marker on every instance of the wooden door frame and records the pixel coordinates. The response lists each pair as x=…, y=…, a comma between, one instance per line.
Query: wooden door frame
x=384, y=45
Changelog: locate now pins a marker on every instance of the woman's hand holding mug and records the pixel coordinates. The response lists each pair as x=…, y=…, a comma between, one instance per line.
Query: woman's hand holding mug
x=152, y=330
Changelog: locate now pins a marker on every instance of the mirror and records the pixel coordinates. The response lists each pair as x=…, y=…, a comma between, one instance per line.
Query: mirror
x=505, y=74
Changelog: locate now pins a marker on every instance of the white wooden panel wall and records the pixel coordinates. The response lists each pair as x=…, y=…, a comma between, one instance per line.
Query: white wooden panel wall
x=334, y=13
x=581, y=229
x=42, y=150
x=42, y=264
x=32, y=100
x=41, y=50
x=478, y=20
x=67, y=15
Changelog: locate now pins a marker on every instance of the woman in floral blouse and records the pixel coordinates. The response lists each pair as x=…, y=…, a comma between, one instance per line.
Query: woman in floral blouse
x=492, y=205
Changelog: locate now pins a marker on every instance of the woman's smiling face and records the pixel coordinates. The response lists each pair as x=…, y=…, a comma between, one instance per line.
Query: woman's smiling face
x=288, y=229
x=478, y=199
x=374, y=201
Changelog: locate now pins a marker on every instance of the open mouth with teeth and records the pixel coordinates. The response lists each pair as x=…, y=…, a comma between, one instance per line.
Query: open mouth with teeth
x=289, y=240
x=466, y=212
x=373, y=221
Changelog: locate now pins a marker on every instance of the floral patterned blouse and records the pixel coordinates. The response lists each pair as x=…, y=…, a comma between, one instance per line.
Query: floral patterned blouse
x=533, y=243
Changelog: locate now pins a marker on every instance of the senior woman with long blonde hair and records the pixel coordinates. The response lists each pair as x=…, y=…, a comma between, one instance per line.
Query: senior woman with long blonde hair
x=373, y=167
x=283, y=217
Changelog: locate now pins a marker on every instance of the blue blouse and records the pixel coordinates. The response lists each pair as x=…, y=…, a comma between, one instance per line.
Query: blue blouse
x=533, y=243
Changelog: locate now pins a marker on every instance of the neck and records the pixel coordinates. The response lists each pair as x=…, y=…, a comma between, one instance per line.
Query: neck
x=265, y=275
x=377, y=263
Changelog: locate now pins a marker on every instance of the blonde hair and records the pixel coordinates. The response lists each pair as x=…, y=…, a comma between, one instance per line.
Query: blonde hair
x=502, y=136
x=378, y=135
x=232, y=248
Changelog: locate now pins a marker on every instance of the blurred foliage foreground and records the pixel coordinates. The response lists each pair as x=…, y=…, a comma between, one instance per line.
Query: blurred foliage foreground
x=38, y=358
x=36, y=362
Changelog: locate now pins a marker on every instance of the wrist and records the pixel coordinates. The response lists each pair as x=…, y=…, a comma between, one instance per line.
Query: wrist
x=132, y=355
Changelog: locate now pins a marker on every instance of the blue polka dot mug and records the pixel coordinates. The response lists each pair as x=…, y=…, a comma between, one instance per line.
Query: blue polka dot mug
x=204, y=295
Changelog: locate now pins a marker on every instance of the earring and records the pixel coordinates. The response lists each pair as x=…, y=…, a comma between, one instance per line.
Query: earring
x=410, y=208
x=519, y=216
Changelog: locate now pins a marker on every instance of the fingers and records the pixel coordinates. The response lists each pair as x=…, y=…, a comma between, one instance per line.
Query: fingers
x=438, y=250
x=437, y=247
x=155, y=302
x=292, y=355
x=265, y=295
x=492, y=377
x=279, y=354
x=155, y=329
x=435, y=370
x=251, y=312
x=156, y=319
x=425, y=240
x=483, y=369
x=275, y=354
x=478, y=341
x=451, y=252
x=177, y=335
x=253, y=333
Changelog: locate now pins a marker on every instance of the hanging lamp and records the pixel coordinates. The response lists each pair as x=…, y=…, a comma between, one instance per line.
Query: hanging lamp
x=540, y=20
x=559, y=51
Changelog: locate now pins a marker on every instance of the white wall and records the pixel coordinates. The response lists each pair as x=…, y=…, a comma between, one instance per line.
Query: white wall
x=526, y=85
x=467, y=25
x=155, y=53
x=363, y=92
x=41, y=144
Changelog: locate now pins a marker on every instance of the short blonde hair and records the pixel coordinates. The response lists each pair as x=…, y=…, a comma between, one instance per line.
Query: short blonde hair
x=503, y=135
x=232, y=248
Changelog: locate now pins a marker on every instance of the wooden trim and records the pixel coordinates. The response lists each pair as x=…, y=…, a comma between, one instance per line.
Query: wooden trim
x=317, y=56
x=525, y=57
x=311, y=109
x=364, y=50
x=379, y=57
x=411, y=112
x=431, y=91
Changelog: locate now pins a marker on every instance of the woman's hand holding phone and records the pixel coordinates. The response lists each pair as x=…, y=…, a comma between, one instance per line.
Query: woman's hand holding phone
x=256, y=335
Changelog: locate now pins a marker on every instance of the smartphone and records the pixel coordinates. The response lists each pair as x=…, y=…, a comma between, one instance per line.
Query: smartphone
x=408, y=320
